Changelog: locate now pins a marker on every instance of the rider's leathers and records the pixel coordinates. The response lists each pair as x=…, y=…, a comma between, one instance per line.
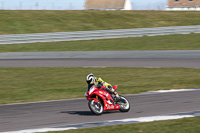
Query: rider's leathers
x=99, y=82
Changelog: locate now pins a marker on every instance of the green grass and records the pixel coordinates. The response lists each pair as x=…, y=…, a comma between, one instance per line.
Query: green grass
x=20, y=22
x=186, y=125
x=167, y=42
x=38, y=84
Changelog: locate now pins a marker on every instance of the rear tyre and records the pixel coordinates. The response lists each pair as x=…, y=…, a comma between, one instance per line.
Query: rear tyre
x=96, y=108
x=124, y=104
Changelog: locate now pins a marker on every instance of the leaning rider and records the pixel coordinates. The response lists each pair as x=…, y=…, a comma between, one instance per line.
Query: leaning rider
x=98, y=82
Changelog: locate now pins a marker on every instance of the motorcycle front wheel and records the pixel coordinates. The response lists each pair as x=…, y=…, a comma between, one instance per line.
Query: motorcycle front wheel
x=124, y=104
x=95, y=107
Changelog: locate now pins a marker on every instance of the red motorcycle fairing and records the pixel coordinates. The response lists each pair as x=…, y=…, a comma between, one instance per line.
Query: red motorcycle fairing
x=105, y=97
x=115, y=87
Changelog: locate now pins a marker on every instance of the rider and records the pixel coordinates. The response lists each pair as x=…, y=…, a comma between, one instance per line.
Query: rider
x=98, y=82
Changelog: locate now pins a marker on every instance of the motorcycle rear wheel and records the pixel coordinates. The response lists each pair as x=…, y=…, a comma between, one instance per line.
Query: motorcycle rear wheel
x=124, y=104
x=95, y=107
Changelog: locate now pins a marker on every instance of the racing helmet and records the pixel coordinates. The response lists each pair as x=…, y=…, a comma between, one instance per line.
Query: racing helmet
x=90, y=79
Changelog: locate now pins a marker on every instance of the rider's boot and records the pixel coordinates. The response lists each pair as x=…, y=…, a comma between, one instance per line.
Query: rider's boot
x=117, y=97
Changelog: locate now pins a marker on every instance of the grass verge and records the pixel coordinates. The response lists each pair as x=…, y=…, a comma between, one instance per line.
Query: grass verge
x=38, y=84
x=166, y=42
x=186, y=125
x=33, y=21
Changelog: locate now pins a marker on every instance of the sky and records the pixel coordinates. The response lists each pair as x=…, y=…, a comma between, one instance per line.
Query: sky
x=73, y=4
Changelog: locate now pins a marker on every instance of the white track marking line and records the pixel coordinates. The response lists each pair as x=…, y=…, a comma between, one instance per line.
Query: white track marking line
x=41, y=130
x=171, y=90
x=153, y=118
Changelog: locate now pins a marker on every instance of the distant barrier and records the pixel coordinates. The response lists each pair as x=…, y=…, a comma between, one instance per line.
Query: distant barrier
x=98, y=34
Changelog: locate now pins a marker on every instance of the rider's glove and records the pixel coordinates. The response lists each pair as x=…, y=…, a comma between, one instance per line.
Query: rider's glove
x=109, y=87
x=117, y=95
x=98, y=84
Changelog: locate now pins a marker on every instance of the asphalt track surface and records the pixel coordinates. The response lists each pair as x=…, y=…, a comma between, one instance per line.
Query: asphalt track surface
x=66, y=112
x=140, y=62
x=152, y=58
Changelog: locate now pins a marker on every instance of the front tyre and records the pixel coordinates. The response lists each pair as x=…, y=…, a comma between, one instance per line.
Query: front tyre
x=124, y=104
x=95, y=107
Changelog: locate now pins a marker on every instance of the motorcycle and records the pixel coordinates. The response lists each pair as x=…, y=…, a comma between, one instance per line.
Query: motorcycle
x=101, y=100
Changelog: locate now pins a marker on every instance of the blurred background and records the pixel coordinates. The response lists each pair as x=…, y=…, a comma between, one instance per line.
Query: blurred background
x=73, y=4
